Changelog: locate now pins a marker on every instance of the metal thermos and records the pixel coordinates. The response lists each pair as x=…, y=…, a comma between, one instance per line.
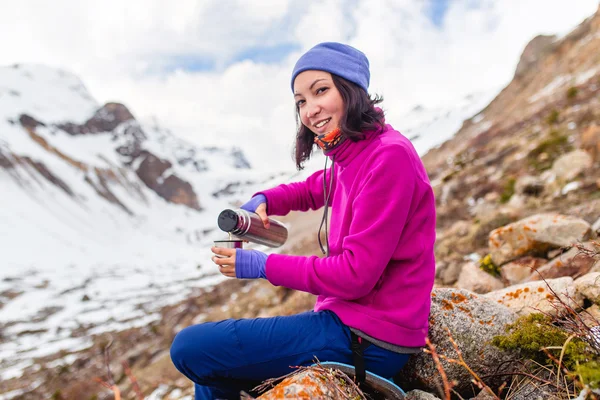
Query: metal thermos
x=248, y=226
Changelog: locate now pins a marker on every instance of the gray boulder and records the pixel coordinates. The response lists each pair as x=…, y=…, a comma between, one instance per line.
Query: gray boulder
x=473, y=321
x=538, y=296
x=536, y=234
x=420, y=395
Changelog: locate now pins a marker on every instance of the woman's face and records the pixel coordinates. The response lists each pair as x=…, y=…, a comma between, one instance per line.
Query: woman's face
x=318, y=101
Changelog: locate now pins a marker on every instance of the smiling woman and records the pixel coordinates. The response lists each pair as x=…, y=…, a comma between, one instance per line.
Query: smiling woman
x=373, y=284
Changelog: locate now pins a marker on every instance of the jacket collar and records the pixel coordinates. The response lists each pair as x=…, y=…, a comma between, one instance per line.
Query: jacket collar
x=345, y=152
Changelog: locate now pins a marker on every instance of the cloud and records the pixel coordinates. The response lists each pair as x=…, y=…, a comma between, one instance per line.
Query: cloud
x=217, y=71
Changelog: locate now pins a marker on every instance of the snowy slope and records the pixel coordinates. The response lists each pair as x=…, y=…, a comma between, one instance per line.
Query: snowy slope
x=70, y=260
x=430, y=127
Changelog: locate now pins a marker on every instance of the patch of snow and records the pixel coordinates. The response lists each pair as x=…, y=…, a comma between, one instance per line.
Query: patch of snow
x=569, y=187
x=586, y=75
x=158, y=393
x=551, y=88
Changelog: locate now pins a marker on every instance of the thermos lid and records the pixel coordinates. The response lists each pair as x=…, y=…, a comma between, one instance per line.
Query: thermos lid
x=228, y=220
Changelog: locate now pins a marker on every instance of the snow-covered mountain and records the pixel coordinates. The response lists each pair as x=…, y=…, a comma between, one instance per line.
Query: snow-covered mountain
x=102, y=218
x=430, y=127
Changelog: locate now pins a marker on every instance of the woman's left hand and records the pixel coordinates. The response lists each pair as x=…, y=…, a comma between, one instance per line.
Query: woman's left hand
x=225, y=259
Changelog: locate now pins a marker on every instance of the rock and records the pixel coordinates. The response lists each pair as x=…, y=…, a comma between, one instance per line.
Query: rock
x=170, y=187
x=472, y=278
x=590, y=141
x=519, y=270
x=461, y=228
x=491, y=197
x=310, y=384
x=535, y=50
x=569, y=166
x=450, y=273
x=589, y=211
x=420, y=395
x=536, y=235
x=531, y=297
x=106, y=119
x=589, y=286
x=485, y=226
x=517, y=201
x=473, y=321
x=596, y=226
x=573, y=263
x=531, y=390
x=483, y=210
x=591, y=316
x=529, y=186
x=554, y=253
x=485, y=395
x=325, y=382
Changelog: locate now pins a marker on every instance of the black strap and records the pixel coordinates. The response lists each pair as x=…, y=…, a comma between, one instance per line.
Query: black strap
x=358, y=346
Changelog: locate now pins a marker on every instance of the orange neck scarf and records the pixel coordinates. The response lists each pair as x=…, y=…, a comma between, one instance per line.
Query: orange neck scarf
x=329, y=140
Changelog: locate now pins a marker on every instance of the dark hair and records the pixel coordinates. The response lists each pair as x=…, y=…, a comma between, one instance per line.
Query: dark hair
x=359, y=116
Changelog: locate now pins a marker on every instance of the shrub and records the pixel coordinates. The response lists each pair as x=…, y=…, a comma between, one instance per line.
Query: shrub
x=538, y=339
x=552, y=117
x=482, y=233
x=508, y=190
x=572, y=92
x=487, y=265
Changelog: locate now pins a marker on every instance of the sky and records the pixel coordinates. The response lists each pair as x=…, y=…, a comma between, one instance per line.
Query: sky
x=217, y=71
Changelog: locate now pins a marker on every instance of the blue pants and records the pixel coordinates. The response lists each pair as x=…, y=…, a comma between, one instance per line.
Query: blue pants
x=225, y=357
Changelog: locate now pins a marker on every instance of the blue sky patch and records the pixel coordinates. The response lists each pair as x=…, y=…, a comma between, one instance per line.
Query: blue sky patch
x=266, y=54
x=189, y=63
x=437, y=11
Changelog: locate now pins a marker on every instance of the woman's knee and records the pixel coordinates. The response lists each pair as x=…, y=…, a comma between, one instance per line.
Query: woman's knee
x=195, y=349
x=187, y=349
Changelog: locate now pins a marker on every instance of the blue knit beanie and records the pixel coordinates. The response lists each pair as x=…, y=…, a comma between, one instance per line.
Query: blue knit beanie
x=336, y=58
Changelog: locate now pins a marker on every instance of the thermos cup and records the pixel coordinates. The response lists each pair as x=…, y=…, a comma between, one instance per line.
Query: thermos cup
x=229, y=244
x=248, y=226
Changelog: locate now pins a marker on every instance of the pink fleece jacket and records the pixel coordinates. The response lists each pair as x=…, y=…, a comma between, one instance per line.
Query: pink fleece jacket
x=380, y=269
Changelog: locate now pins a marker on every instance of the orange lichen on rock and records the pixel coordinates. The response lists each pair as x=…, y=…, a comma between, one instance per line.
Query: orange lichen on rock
x=446, y=305
x=515, y=294
x=494, y=242
x=465, y=310
x=458, y=298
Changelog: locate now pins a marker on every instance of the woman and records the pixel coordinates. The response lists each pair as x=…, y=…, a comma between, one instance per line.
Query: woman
x=373, y=286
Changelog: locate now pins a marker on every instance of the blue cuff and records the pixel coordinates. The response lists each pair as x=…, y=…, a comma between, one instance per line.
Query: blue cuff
x=250, y=264
x=252, y=204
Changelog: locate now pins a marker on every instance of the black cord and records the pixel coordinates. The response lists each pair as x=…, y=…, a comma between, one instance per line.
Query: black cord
x=326, y=196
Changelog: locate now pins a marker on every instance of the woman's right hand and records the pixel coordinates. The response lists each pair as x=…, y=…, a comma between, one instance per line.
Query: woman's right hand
x=258, y=205
x=261, y=211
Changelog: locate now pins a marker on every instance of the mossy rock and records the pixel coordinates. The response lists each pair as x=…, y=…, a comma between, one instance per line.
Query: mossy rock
x=472, y=321
x=535, y=335
x=543, y=155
